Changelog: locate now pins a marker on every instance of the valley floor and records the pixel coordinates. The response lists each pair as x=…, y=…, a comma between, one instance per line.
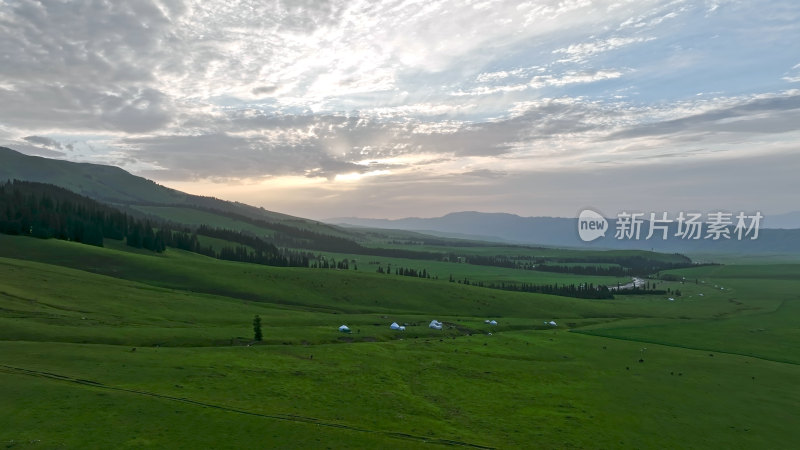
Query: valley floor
x=107, y=349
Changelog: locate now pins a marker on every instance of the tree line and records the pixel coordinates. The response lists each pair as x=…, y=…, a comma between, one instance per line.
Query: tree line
x=249, y=248
x=583, y=290
x=620, y=266
x=597, y=270
x=46, y=211
x=405, y=271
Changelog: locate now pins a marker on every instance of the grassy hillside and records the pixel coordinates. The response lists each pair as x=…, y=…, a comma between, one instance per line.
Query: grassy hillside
x=100, y=182
x=264, y=226
x=72, y=315
x=333, y=290
x=321, y=289
x=114, y=185
x=194, y=217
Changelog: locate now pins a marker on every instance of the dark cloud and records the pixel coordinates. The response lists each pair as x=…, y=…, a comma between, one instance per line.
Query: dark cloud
x=83, y=42
x=47, y=142
x=783, y=115
x=485, y=173
x=128, y=109
x=328, y=144
x=264, y=90
x=36, y=150
x=85, y=65
x=224, y=157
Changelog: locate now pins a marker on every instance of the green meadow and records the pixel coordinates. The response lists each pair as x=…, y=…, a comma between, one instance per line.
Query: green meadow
x=113, y=348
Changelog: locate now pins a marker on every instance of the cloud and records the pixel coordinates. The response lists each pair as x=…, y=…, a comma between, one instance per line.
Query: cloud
x=264, y=90
x=224, y=157
x=542, y=81
x=485, y=173
x=554, y=133
x=795, y=77
x=772, y=114
x=583, y=51
x=84, y=65
x=573, y=77
x=47, y=142
x=129, y=110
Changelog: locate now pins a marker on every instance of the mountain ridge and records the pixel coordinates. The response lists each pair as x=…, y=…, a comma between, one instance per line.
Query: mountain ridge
x=116, y=186
x=563, y=232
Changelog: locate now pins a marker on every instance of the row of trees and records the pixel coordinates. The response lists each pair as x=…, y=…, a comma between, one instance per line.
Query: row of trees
x=620, y=266
x=595, y=270
x=142, y=235
x=249, y=248
x=640, y=291
x=405, y=271
x=584, y=290
x=46, y=211
x=325, y=263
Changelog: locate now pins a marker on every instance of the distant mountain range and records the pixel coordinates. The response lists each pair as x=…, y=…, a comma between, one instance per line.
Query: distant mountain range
x=785, y=221
x=563, y=232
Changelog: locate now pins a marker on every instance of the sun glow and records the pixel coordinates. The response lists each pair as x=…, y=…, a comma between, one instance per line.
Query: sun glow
x=355, y=176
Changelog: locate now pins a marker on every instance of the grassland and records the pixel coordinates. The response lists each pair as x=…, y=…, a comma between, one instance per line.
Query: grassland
x=72, y=315
x=767, y=295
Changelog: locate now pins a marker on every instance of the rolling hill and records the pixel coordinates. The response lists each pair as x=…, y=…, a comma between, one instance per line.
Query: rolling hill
x=113, y=185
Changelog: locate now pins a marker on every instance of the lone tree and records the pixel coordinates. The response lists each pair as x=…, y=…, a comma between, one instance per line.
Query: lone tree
x=257, y=328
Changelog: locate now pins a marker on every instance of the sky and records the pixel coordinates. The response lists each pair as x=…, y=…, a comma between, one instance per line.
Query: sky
x=389, y=109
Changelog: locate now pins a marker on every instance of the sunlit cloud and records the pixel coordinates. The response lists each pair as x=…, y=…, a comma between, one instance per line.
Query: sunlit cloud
x=355, y=176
